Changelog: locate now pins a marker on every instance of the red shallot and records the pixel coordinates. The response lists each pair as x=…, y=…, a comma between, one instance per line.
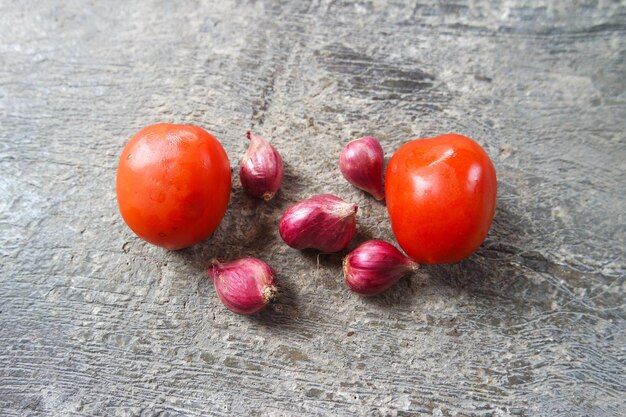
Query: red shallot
x=374, y=266
x=261, y=169
x=323, y=222
x=361, y=163
x=244, y=286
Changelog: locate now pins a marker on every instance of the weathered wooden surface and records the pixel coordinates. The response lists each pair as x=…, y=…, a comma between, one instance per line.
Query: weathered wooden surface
x=96, y=322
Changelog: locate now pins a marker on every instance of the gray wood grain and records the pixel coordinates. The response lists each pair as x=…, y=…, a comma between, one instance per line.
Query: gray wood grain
x=96, y=322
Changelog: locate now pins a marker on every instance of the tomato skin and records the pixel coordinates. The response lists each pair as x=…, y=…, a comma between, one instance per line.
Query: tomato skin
x=173, y=184
x=441, y=197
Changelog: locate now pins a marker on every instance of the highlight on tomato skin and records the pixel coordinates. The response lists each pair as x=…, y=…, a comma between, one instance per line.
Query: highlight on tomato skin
x=173, y=184
x=441, y=197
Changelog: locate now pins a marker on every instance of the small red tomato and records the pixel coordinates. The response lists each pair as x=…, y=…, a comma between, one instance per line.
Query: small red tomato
x=441, y=197
x=173, y=184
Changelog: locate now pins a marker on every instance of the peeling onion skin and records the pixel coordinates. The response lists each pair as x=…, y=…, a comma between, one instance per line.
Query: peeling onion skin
x=374, y=266
x=323, y=222
x=245, y=286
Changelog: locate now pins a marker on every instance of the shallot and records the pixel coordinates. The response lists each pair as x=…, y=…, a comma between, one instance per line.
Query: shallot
x=244, y=286
x=261, y=169
x=323, y=222
x=361, y=163
x=374, y=266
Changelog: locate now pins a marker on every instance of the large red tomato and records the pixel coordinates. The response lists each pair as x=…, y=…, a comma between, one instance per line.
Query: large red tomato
x=441, y=197
x=173, y=184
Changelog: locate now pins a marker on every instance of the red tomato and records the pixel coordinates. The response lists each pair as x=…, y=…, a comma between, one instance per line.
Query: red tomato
x=173, y=184
x=441, y=197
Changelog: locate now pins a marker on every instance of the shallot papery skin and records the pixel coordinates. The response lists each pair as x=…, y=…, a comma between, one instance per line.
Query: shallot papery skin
x=361, y=163
x=261, y=169
x=323, y=222
x=244, y=286
x=374, y=266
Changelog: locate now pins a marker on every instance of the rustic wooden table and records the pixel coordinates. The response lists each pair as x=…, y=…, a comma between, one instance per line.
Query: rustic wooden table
x=96, y=322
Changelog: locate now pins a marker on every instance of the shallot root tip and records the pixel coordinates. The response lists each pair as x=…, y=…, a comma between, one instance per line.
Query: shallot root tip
x=269, y=293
